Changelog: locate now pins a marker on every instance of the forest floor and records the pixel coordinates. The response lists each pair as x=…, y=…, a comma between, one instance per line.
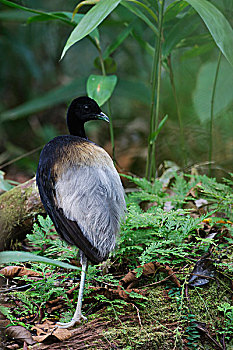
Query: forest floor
x=168, y=285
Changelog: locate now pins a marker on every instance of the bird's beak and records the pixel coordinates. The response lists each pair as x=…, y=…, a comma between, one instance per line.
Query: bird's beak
x=102, y=116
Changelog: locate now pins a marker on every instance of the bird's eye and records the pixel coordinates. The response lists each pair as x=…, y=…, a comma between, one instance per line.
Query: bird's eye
x=86, y=108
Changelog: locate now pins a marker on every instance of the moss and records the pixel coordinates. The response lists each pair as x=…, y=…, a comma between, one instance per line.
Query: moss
x=18, y=207
x=165, y=319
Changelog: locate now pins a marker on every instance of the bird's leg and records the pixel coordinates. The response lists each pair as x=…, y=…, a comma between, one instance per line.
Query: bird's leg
x=78, y=314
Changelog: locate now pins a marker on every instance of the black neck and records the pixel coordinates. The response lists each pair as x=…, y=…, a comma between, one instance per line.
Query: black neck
x=76, y=127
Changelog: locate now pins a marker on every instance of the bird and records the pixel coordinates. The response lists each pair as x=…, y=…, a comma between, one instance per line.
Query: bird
x=81, y=191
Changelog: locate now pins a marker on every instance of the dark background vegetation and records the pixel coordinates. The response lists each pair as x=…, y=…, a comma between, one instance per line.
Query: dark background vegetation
x=30, y=69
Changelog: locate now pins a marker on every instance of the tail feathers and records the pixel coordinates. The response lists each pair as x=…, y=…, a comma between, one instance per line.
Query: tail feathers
x=71, y=232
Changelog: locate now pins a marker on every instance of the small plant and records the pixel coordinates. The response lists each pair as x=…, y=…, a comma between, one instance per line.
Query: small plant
x=191, y=332
x=32, y=301
x=227, y=310
x=116, y=306
x=6, y=312
x=48, y=242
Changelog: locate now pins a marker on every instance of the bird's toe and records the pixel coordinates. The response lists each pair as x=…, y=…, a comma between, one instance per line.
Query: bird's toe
x=72, y=322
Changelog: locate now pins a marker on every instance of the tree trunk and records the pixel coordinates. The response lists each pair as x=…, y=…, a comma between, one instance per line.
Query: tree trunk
x=18, y=208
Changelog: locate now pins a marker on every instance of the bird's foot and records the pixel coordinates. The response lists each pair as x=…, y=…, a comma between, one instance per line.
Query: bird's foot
x=72, y=322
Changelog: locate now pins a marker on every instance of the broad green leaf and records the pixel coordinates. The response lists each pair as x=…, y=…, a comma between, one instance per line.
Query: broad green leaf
x=173, y=10
x=48, y=100
x=90, y=21
x=15, y=256
x=100, y=87
x=218, y=26
x=77, y=18
x=155, y=134
x=179, y=31
x=204, y=86
x=132, y=8
x=118, y=41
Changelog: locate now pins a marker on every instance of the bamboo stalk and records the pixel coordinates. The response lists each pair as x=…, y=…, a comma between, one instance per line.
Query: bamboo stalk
x=212, y=113
x=151, y=162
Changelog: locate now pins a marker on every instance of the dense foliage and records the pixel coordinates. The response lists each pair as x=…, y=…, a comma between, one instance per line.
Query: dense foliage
x=191, y=79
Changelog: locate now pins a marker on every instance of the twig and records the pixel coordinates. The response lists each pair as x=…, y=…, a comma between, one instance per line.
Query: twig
x=138, y=314
x=21, y=157
x=152, y=284
x=223, y=342
x=7, y=290
x=196, y=274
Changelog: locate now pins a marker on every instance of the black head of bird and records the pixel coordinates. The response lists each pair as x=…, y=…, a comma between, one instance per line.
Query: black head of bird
x=81, y=110
x=81, y=190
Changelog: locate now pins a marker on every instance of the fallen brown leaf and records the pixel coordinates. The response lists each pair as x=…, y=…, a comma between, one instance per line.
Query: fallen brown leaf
x=17, y=271
x=193, y=190
x=220, y=221
x=19, y=333
x=151, y=268
x=48, y=330
x=112, y=294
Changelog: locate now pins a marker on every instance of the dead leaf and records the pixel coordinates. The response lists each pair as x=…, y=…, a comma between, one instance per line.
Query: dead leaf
x=12, y=347
x=17, y=271
x=44, y=327
x=192, y=191
x=200, y=202
x=112, y=294
x=59, y=333
x=151, y=268
x=220, y=221
x=204, y=270
x=19, y=333
x=48, y=330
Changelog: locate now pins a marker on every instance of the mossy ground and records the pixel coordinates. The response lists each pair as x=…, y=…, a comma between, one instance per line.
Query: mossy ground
x=165, y=319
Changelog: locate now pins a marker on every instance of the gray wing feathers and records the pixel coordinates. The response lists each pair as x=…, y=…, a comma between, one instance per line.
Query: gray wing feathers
x=94, y=198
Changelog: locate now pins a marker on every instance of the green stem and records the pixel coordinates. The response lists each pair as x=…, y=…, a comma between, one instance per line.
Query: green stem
x=108, y=103
x=153, y=87
x=153, y=165
x=183, y=145
x=154, y=82
x=212, y=113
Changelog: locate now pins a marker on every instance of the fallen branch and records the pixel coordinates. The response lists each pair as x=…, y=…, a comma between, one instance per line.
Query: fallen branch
x=18, y=208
